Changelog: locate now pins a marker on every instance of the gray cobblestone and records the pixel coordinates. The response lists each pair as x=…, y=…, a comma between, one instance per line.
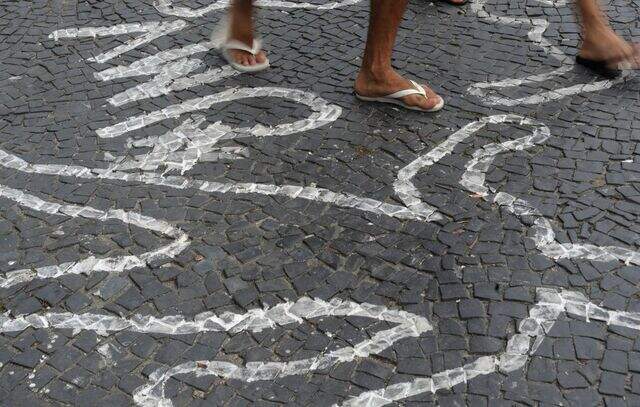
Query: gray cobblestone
x=474, y=274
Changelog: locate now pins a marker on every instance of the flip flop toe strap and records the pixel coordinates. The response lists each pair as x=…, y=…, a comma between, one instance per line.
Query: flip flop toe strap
x=237, y=45
x=417, y=90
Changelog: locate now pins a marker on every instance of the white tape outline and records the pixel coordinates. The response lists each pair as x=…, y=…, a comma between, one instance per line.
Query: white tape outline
x=473, y=179
x=150, y=31
x=91, y=264
x=407, y=325
x=167, y=7
x=538, y=27
x=168, y=66
x=520, y=347
x=321, y=195
x=186, y=145
x=408, y=198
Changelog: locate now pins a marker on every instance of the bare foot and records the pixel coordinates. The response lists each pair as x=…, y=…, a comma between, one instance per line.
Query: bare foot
x=241, y=29
x=601, y=43
x=246, y=58
x=389, y=81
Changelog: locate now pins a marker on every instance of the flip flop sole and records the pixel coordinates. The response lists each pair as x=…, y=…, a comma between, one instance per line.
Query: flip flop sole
x=244, y=68
x=400, y=103
x=599, y=67
x=249, y=68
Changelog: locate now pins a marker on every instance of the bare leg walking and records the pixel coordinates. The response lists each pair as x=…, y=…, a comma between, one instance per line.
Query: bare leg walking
x=377, y=77
x=600, y=44
x=241, y=29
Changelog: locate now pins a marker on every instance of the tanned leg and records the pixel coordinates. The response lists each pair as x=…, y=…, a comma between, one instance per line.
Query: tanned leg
x=599, y=41
x=377, y=77
x=241, y=29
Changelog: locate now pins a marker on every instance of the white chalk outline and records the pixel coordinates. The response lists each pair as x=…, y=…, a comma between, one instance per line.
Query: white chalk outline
x=538, y=27
x=92, y=264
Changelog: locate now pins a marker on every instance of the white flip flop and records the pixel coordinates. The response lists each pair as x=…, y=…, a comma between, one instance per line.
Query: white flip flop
x=253, y=50
x=396, y=98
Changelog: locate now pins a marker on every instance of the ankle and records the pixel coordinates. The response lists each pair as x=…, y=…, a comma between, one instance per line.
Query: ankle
x=242, y=36
x=376, y=73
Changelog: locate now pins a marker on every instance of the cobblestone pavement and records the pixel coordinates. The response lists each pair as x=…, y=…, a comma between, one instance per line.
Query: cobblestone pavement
x=173, y=233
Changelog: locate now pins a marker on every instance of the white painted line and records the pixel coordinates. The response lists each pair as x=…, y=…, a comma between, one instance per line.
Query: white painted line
x=92, y=264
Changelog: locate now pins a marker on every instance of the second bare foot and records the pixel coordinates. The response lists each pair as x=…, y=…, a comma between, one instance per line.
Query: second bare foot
x=601, y=43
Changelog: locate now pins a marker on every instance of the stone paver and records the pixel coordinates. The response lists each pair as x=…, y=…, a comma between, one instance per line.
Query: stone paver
x=175, y=233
